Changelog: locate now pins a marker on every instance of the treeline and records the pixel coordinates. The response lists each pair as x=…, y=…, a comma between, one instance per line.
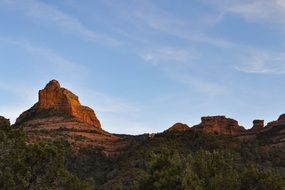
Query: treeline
x=188, y=160
x=206, y=170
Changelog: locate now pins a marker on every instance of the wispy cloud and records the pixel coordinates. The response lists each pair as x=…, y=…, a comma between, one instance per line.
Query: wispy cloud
x=203, y=86
x=169, y=54
x=149, y=15
x=254, y=10
x=179, y=28
x=48, y=14
x=262, y=62
x=46, y=55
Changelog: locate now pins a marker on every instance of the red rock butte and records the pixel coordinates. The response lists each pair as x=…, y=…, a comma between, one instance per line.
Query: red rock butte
x=59, y=115
x=61, y=101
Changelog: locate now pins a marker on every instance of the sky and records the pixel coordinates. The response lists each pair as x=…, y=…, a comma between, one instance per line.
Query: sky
x=144, y=65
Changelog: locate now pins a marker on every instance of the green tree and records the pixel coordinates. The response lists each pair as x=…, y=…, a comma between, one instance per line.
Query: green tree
x=256, y=179
x=165, y=171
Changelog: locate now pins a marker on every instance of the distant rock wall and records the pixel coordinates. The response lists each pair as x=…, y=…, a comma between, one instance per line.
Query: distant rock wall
x=219, y=124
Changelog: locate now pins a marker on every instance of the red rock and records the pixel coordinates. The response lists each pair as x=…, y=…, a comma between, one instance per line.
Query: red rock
x=55, y=100
x=178, y=127
x=59, y=115
x=78, y=134
x=219, y=124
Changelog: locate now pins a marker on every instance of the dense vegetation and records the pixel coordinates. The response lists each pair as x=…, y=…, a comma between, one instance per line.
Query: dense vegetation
x=182, y=160
x=35, y=166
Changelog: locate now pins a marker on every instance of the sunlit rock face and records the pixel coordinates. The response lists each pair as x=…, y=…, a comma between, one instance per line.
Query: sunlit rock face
x=59, y=115
x=178, y=127
x=54, y=100
x=219, y=124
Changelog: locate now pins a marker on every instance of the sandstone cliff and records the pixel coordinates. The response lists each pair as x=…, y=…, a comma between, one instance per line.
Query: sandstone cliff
x=59, y=115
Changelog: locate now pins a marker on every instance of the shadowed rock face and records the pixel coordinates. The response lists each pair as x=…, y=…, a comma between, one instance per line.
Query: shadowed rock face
x=275, y=131
x=219, y=124
x=55, y=100
x=258, y=125
x=4, y=121
x=279, y=121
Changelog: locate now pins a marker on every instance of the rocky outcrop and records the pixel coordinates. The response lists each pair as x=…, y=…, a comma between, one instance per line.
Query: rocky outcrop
x=274, y=132
x=258, y=125
x=279, y=121
x=219, y=124
x=59, y=115
x=54, y=100
x=178, y=127
x=4, y=121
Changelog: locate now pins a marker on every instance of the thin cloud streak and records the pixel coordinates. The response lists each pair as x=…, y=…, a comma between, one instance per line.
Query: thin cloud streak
x=47, y=54
x=169, y=54
x=262, y=62
x=178, y=28
x=205, y=87
x=146, y=13
x=255, y=10
x=52, y=15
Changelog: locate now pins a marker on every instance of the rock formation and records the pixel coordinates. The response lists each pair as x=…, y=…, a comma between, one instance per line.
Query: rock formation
x=59, y=115
x=219, y=124
x=178, y=127
x=258, y=125
x=54, y=100
x=279, y=121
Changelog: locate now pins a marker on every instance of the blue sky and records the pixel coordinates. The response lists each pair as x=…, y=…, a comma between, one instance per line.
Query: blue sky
x=143, y=65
